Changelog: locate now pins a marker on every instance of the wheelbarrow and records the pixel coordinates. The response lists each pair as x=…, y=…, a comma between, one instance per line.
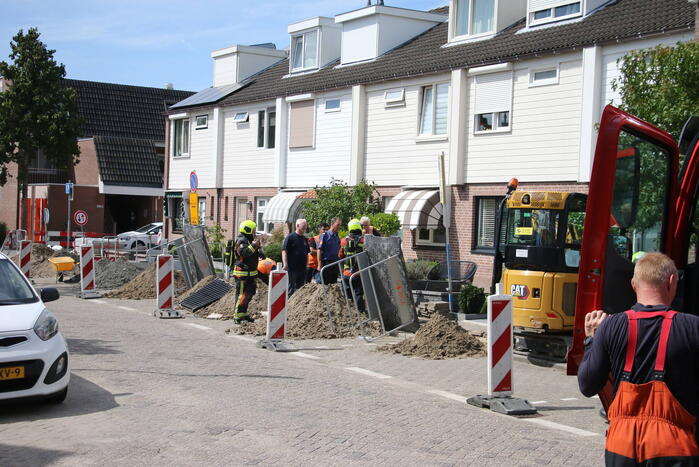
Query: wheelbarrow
x=62, y=264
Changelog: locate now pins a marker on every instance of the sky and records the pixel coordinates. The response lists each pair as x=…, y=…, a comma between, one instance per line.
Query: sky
x=153, y=42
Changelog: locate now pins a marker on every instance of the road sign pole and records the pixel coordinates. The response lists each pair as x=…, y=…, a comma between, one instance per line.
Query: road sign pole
x=69, y=192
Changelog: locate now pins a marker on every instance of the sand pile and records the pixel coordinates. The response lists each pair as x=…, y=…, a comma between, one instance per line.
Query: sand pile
x=142, y=287
x=308, y=316
x=39, y=263
x=196, y=288
x=225, y=306
x=113, y=274
x=438, y=339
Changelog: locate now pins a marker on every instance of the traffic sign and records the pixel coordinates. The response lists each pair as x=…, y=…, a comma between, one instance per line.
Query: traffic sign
x=193, y=181
x=80, y=217
x=193, y=209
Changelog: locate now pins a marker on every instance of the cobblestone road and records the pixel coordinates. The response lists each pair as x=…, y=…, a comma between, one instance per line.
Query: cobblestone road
x=181, y=392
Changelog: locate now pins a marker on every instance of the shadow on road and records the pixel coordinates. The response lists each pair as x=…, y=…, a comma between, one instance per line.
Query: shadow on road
x=84, y=397
x=24, y=455
x=91, y=347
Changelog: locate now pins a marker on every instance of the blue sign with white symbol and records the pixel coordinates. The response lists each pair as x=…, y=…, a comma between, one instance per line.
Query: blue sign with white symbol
x=193, y=181
x=69, y=188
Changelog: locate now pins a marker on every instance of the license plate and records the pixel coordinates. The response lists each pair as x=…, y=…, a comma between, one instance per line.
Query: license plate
x=13, y=372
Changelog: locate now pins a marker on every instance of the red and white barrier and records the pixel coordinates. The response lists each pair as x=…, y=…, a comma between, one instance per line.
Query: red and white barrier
x=500, y=345
x=276, y=305
x=165, y=286
x=25, y=257
x=87, y=270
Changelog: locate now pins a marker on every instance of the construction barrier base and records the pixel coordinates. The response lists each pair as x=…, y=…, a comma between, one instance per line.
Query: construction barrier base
x=88, y=294
x=275, y=345
x=168, y=314
x=507, y=405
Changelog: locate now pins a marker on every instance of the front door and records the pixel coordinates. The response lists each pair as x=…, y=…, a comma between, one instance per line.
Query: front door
x=241, y=212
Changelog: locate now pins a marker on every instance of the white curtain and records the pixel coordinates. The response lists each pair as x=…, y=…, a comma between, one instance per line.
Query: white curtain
x=483, y=16
x=441, y=109
x=296, y=52
x=427, y=111
x=310, y=50
x=462, y=9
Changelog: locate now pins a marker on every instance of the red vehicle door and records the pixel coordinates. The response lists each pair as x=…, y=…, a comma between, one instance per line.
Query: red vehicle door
x=631, y=208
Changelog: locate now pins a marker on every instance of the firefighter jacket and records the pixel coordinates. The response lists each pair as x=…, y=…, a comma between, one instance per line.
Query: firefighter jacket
x=351, y=245
x=246, y=257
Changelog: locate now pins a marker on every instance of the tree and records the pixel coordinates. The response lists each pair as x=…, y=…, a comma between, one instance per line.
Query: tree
x=36, y=111
x=343, y=201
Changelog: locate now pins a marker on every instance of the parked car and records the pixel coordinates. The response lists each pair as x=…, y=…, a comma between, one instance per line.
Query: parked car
x=34, y=360
x=141, y=238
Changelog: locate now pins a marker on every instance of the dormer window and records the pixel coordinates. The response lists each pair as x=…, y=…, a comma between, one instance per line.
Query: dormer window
x=555, y=12
x=304, y=51
x=473, y=17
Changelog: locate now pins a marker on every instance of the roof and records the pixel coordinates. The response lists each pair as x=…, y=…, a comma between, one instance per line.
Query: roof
x=622, y=20
x=121, y=110
x=129, y=161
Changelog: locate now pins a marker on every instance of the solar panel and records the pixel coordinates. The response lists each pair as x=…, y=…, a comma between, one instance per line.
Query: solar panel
x=208, y=96
x=211, y=292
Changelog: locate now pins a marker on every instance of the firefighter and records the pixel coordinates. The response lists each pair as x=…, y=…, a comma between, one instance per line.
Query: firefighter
x=350, y=246
x=243, y=266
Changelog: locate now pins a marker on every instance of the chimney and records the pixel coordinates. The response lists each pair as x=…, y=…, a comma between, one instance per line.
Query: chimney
x=233, y=65
x=169, y=86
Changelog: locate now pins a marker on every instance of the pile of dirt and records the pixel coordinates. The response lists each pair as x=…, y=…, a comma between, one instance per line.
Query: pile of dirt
x=113, y=274
x=39, y=265
x=307, y=316
x=225, y=306
x=142, y=287
x=438, y=339
x=196, y=288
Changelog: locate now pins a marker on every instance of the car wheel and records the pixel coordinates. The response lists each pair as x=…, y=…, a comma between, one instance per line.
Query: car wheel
x=57, y=397
x=139, y=246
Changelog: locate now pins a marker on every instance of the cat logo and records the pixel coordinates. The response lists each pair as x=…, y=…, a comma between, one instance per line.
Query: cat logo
x=520, y=291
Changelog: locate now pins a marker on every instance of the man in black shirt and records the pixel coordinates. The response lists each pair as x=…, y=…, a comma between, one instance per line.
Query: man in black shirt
x=295, y=256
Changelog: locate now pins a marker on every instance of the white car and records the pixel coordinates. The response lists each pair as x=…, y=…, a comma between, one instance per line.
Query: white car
x=34, y=359
x=142, y=238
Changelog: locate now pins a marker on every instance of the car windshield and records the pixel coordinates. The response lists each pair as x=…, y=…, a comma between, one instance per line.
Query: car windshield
x=14, y=289
x=533, y=227
x=146, y=228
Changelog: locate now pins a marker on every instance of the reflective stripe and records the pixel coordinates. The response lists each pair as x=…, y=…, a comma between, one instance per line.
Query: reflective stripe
x=244, y=273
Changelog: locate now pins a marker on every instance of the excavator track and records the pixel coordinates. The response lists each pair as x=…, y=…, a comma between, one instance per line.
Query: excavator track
x=542, y=346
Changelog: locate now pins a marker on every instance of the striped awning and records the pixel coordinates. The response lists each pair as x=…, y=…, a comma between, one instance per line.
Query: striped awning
x=417, y=209
x=283, y=207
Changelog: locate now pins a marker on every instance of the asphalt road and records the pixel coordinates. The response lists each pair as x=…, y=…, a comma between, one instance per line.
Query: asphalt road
x=146, y=391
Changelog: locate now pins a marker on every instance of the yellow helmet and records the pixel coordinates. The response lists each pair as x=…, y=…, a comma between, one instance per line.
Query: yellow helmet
x=248, y=227
x=354, y=224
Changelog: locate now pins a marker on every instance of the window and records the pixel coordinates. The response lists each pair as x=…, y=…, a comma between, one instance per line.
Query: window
x=225, y=208
x=181, y=137
x=178, y=220
x=560, y=12
x=486, y=212
x=332, y=105
x=435, y=237
x=201, y=122
x=301, y=124
x=261, y=206
x=266, y=128
x=394, y=97
x=434, y=112
x=474, y=17
x=202, y=211
x=543, y=77
x=304, y=51
x=241, y=117
x=493, y=102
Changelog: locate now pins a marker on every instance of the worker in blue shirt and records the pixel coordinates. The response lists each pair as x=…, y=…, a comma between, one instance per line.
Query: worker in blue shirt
x=329, y=251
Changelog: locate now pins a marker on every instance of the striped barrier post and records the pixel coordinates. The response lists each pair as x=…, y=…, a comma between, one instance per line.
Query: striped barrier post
x=276, y=312
x=87, y=273
x=165, y=286
x=500, y=381
x=25, y=257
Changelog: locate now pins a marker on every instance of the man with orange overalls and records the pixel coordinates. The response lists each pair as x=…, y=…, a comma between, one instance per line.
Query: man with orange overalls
x=652, y=353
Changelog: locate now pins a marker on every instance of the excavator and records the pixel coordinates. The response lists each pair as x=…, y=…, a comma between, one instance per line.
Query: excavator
x=639, y=200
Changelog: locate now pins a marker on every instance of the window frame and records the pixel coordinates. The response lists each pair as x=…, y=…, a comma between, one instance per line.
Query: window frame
x=241, y=117
x=476, y=247
x=421, y=114
x=469, y=34
x=496, y=126
x=303, y=35
x=533, y=82
x=394, y=102
x=334, y=109
x=263, y=123
x=201, y=126
x=430, y=241
x=260, y=210
x=186, y=136
x=552, y=14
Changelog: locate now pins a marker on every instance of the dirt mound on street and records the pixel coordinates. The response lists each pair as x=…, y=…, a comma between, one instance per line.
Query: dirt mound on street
x=308, y=316
x=438, y=339
x=39, y=265
x=113, y=274
x=226, y=304
x=142, y=287
x=196, y=288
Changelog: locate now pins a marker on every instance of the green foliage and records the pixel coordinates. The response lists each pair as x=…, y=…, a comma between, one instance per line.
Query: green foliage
x=659, y=85
x=36, y=112
x=215, y=237
x=386, y=224
x=420, y=269
x=277, y=235
x=274, y=250
x=343, y=201
x=471, y=299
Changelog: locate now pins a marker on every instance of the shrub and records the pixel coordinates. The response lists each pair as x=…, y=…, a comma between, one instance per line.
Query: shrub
x=419, y=269
x=471, y=299
x=274, y=250
x=386, y=224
